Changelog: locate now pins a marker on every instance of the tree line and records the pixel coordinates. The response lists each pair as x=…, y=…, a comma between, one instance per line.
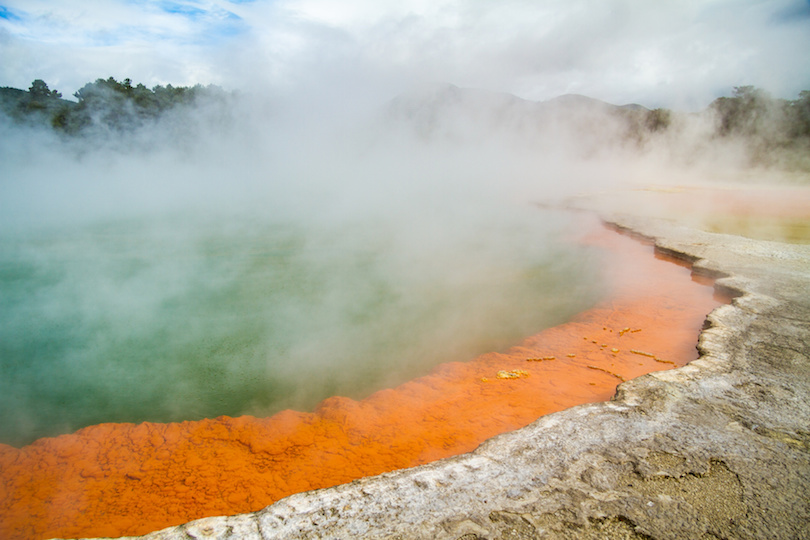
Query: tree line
x=753, y=112
x=105, y=103
x=773, y=130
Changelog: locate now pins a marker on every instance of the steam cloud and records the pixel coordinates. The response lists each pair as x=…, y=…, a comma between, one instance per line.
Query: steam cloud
x=235, y=261
x=249, y=255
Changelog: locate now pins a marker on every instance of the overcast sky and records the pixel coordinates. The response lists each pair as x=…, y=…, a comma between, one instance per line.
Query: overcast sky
x=674, y=53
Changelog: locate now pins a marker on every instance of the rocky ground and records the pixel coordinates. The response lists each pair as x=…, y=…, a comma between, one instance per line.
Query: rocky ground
x=717, y=449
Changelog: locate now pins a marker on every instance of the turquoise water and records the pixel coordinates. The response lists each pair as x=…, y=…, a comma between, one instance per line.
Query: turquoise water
x=171, y=318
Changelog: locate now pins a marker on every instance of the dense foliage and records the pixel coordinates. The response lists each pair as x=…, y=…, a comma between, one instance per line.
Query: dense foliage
x=752, y=112
x=773, y=130
x=103, y=104
x=39, y=90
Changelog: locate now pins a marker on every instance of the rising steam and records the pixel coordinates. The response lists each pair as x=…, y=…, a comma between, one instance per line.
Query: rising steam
x=251, y=253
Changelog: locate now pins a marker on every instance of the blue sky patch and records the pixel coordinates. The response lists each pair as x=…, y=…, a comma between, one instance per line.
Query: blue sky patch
x=210, y=24
x=177, y=8
x=8, y=15
x=798, y=11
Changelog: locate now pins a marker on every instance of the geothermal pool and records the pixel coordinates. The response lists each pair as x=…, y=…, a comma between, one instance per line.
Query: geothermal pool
x=115, y=479
x=178, y=318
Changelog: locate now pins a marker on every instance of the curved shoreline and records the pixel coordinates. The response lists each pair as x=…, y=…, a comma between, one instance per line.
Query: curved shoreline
x=132, y=479
x=718, y=448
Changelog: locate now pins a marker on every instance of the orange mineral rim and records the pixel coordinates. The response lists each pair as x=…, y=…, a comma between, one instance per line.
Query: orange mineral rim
x=127, y=479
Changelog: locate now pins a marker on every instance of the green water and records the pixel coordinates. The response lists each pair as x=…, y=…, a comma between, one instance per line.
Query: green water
x=187, y=317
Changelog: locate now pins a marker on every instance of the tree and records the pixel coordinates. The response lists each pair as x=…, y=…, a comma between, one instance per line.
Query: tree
x=658, y=119
x=105, y=104
x=800, y=115
x=745, y=113
x=39, y=90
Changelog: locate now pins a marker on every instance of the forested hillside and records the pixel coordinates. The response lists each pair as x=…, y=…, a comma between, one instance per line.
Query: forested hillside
x=105, y=104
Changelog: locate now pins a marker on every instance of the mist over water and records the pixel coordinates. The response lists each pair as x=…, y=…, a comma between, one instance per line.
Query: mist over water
x=255, y=267
x=256, y=253
x=183, y=318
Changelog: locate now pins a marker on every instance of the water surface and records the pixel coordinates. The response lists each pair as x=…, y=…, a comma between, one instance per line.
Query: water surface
x=182, y=317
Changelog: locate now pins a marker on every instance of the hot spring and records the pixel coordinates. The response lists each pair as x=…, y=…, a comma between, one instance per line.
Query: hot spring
x=182, y=316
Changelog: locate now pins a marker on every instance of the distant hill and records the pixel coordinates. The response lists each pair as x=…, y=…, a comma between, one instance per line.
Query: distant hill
x=24, y=107
x=448, y=112
x=434, y=99
x=106, y=105
x=772, y=132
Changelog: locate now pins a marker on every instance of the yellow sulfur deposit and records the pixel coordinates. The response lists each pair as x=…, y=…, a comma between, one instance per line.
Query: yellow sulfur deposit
x=541, y=359
x=513, y=374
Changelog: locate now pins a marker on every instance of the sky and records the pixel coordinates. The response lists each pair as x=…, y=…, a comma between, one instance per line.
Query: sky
x=674, y=53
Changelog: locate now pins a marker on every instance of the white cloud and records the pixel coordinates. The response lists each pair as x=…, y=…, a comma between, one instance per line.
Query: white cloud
x=666, y=52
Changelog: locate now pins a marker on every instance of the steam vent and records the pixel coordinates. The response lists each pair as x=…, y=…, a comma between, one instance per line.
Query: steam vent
x=718, y=448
